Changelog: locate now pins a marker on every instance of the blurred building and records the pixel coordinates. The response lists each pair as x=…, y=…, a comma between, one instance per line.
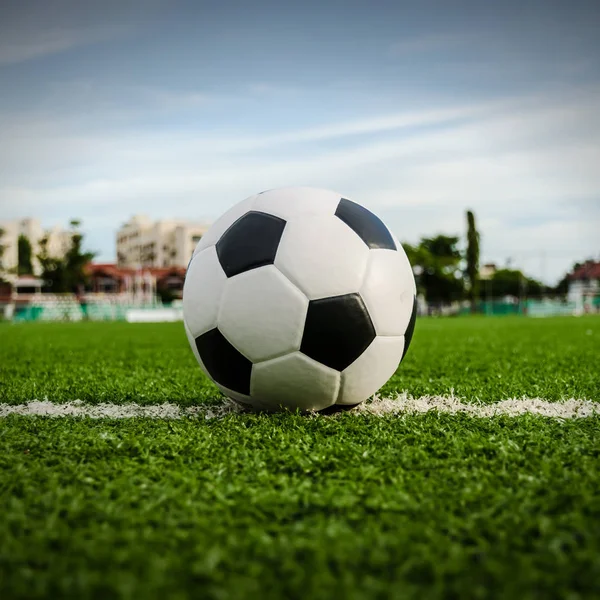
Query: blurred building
x=143, y=285
x=584, y=286
x=57, y=246
x=158, y=244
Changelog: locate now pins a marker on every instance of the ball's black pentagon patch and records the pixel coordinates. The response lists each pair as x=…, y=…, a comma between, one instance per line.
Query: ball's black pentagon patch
x=225, y=364
x=365, y=224
x=337, y=330
x=411, y=328
x=249, y=243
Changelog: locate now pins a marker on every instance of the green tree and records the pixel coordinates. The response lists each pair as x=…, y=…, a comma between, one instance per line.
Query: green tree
x=562, y=287
x=66, y=273
x=472, y=258
x=436, y=261
x=2, y=249
x=512, y=282
x=25, y=266
x=53, y=268
x=76, y=259
x=419, y=258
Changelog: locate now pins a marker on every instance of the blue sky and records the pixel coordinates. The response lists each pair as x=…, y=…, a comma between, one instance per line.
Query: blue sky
x=417, y=110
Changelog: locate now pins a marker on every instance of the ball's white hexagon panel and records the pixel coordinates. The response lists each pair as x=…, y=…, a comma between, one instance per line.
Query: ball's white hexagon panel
x=246, y=400
x=371, y=370
x=388, y=291
x=220, y=226
x=262, y=313
x=202, y=291
x=293, y=202
x=192, y=342
x=322, y=256
x=294, y=381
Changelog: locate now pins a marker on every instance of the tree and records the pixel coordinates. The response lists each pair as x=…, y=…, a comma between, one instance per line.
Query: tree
x=53, y=268
x=25, y=266
x=472, y=258
x=419, y=259
x=66, y=273
x=2, y=248
x=512, y=282
x=76, y=260
x=436, y=261
x=562, y=287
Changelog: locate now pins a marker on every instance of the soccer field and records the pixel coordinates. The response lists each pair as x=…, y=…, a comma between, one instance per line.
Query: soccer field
x=465, y=492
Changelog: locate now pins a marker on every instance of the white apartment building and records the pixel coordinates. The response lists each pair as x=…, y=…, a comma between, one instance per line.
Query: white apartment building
x=58, y=243
x=165, y=243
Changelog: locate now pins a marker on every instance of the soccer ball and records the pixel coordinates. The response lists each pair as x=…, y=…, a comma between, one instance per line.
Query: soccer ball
x=298, y=298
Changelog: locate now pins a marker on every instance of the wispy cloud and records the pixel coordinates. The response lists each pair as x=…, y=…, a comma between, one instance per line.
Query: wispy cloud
x=200, y=109
x=502, y=161
x=432, y=43
x=32, y=30
x=44, y=146
x=15, y=47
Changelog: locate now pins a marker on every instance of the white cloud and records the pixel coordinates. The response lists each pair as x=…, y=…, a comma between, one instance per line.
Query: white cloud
x=33, y=31
x=433, y=43
x=15, y=47
x=151, y=147
x=517, y=163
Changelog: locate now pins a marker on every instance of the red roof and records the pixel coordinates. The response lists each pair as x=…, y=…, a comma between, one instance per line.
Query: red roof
x=589, y=270
x=159, y=272
x=113, y=270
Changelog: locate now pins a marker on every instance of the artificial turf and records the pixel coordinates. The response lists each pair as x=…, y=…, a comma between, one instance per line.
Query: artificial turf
x=488, y=359
x=351, y=506
x=428, y=506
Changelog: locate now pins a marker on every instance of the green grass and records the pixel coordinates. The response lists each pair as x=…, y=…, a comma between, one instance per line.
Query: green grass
x=289, y=507
x=479, y=358
x=286, y=506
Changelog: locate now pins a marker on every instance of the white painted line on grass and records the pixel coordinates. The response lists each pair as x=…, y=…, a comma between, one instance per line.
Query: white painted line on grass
x=512, y=407
x=402, y=404
x=129, y=410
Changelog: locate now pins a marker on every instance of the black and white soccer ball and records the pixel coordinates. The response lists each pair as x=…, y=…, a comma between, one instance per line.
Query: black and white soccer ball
x=298, y=298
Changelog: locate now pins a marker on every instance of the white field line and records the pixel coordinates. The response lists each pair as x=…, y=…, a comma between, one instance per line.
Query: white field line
x=400, y=405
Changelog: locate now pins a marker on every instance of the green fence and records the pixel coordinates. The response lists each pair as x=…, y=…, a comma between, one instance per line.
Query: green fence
x=69, y=310
x=74, y=312
x=529, y=307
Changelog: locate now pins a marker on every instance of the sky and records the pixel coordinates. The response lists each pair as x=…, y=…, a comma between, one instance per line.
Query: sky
x=417, y=110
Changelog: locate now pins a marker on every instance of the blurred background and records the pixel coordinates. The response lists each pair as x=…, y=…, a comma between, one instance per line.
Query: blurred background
x=472, y=129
